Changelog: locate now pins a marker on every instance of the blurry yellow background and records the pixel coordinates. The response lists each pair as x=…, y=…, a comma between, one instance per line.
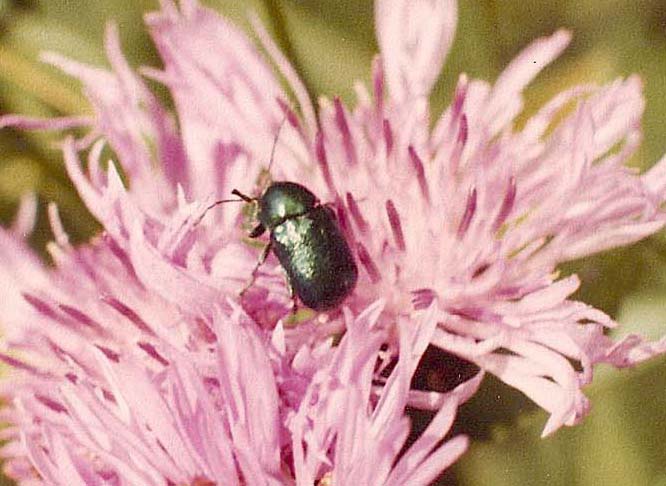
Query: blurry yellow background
x=331, y=42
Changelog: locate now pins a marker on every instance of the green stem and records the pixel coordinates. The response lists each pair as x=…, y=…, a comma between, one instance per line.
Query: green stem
x=38, y=83
x=278, y=20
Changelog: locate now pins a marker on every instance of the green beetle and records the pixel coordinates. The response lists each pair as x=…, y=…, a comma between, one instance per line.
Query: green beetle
x=307, y=241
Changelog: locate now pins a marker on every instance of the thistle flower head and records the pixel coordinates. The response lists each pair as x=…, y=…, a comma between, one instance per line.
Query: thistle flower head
x=139, y=362
x=473, y=217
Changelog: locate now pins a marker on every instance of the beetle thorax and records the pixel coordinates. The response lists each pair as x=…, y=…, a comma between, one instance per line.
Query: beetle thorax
x=284, y=200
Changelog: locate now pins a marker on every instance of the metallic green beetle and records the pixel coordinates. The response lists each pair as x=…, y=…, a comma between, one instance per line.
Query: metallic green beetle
x=307, y=241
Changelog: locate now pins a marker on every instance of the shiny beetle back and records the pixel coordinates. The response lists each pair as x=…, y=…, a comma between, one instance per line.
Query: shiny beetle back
x=308, y=242
x=314, y=253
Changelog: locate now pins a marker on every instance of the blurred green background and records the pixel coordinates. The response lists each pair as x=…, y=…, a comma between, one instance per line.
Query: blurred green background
x=331, y=42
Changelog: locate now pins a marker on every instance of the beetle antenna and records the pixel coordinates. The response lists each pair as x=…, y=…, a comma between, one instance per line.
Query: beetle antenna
x=216, y=203
x=243, y=197
x=275, y=140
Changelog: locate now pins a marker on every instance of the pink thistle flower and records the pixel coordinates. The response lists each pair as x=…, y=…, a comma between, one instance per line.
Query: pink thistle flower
x=474, y=216
x=135, y=362
x=118, y=386
x=138, y=363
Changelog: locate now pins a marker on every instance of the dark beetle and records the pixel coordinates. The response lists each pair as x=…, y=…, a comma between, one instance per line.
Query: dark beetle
x=306, y=239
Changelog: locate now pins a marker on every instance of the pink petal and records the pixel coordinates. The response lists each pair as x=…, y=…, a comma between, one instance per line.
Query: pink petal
x=414, y=39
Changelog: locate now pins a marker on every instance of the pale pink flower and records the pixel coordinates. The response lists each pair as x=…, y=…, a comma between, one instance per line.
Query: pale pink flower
x=238, y=410
x=137, y=361
x=473, y=216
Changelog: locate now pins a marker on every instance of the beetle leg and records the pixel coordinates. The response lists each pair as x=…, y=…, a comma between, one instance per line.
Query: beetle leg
x=294, y=299
x=260, y=262
x=258, y=230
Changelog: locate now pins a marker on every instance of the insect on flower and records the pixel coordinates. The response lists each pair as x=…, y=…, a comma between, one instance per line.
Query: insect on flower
x=306, y=239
